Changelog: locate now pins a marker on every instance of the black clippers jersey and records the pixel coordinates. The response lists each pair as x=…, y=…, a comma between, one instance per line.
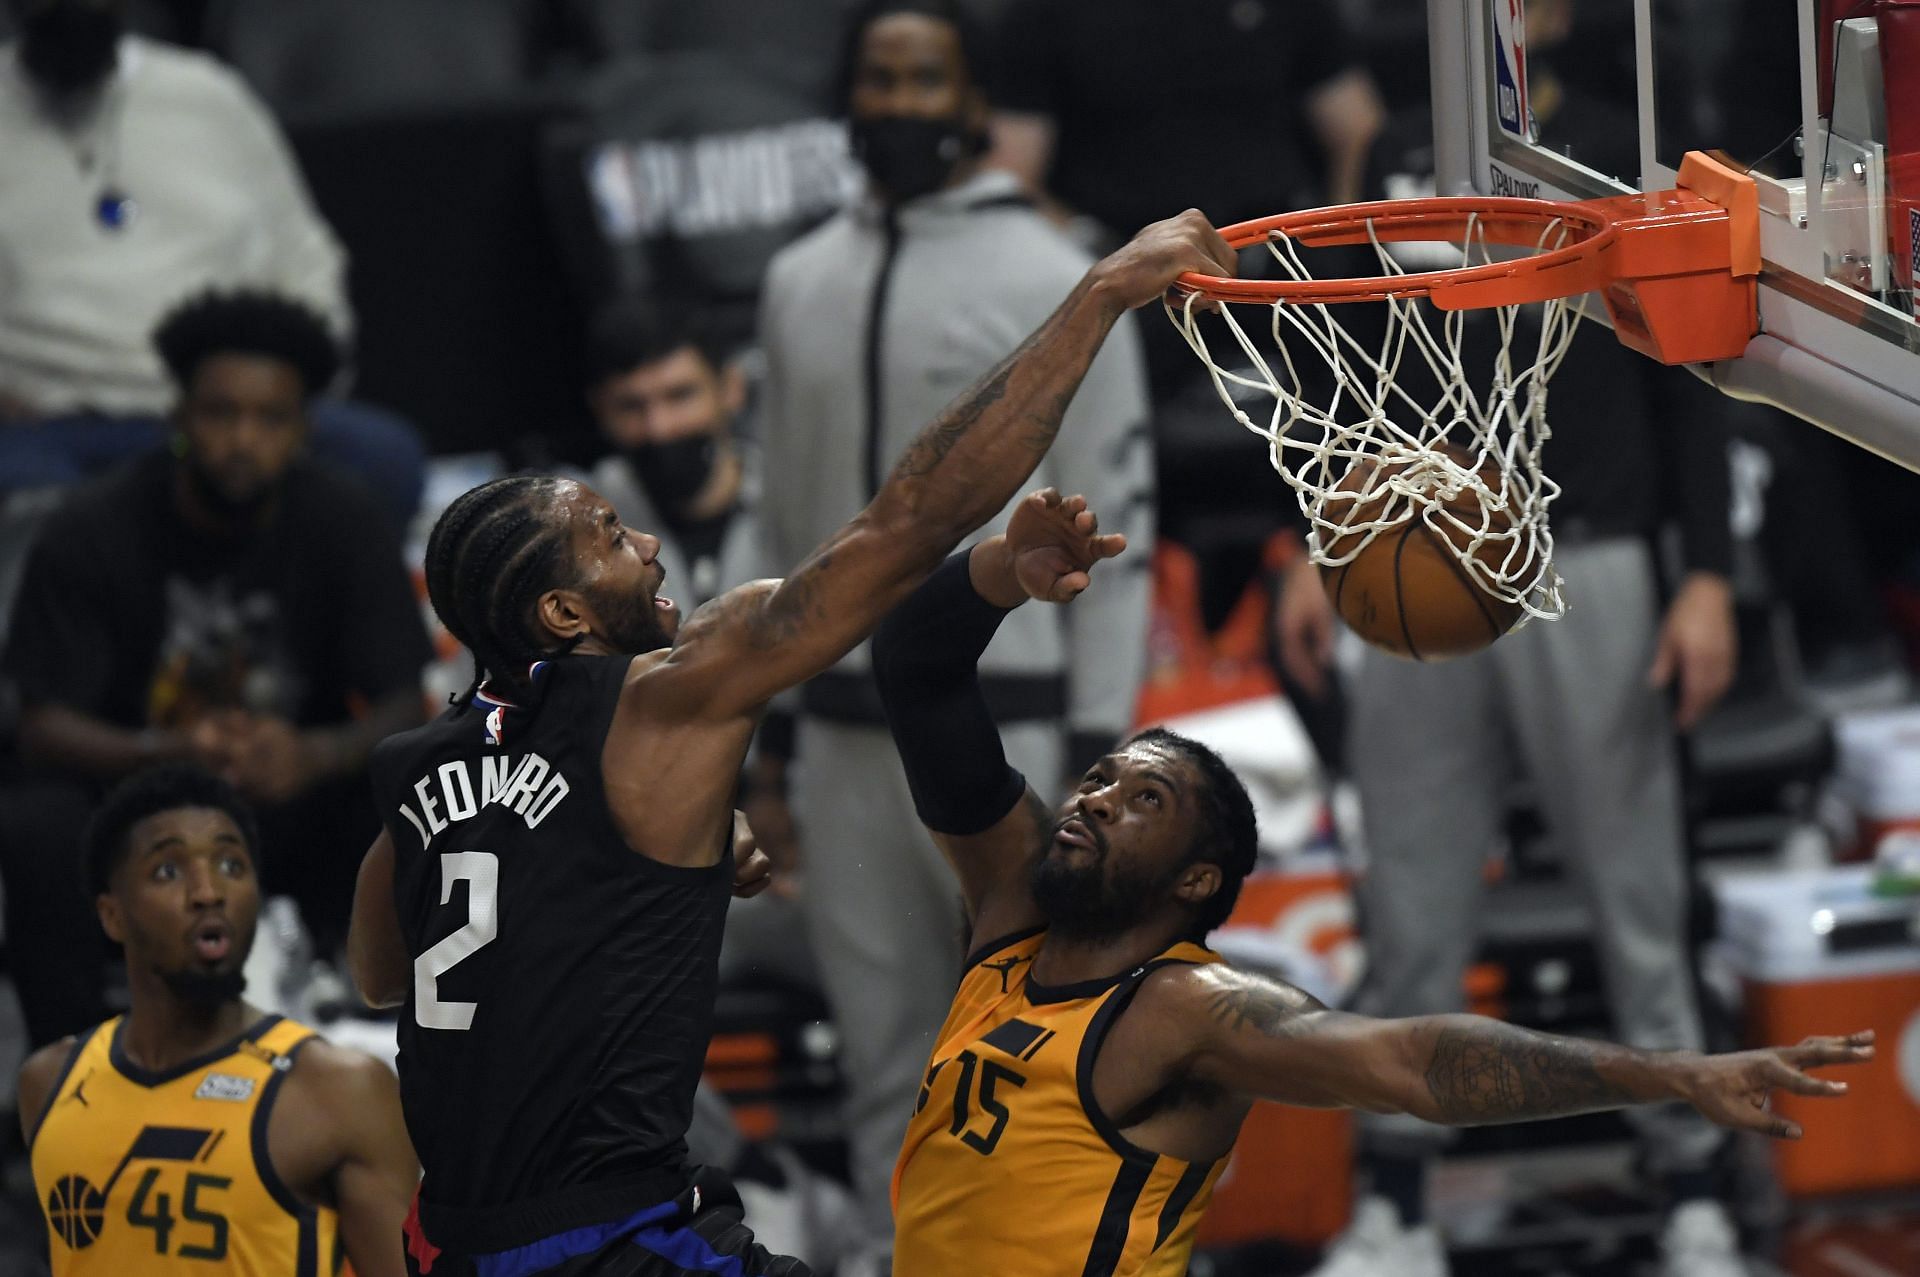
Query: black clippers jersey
x=563, y=984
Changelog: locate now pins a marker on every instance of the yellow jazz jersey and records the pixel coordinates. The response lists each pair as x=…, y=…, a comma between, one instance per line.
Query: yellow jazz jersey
x=1009, y=1166
x=167, y=1173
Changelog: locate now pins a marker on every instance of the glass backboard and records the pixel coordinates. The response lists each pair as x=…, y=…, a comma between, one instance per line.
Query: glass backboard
x=1818, y=99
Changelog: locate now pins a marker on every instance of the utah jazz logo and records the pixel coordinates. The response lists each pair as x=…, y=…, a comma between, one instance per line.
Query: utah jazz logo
x=77, y=1210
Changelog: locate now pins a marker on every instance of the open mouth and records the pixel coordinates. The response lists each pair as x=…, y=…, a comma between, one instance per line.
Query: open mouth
x=662, y=602
x=212, y=941
x=1074, y=833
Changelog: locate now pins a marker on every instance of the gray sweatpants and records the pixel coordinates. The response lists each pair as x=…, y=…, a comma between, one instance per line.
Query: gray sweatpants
x=888, y=930
x=1433, y=747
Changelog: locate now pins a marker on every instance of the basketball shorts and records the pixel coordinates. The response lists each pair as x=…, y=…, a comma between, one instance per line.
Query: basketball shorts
x=700, y=1233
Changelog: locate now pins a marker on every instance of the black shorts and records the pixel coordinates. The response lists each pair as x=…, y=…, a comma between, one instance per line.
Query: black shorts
x=698, y=1234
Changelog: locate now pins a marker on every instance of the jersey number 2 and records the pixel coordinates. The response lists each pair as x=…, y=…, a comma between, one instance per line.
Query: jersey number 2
x=482, y=872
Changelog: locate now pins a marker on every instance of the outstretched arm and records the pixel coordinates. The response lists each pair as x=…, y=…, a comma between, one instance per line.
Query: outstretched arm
x=1274, y=1042
x=750, y=643
x=980, y=810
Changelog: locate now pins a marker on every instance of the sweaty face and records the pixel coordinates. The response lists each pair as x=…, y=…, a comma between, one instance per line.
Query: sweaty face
x=244, y=420
x=620, y=577
x=185, y=901
x=1120, y=846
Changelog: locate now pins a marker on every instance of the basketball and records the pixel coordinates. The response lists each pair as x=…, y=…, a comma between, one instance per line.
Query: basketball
x=1406, y=591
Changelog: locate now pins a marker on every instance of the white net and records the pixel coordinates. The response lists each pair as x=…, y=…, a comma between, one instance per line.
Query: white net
x=1455, y=446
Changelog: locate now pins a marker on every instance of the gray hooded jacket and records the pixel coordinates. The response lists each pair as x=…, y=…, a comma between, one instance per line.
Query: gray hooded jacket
x=872, y=324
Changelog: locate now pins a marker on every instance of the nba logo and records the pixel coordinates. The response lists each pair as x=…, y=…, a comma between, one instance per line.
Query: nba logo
x=497, y=725
x=1510, y=69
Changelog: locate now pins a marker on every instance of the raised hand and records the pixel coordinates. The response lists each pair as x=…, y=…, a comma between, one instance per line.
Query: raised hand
x=1053, y=542
x=1735, y=1089
x=752, y=870
x=1144, y=268
x=1303, y=627
x=1698, y=647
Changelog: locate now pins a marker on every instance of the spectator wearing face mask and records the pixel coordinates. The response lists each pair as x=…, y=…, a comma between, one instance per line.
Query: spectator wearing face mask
x=667, y=401
x=666, y=398
x=871, y=325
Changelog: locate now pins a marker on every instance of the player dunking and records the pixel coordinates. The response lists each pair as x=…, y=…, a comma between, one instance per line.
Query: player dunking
x=1097, y=1061
x=197, y=1134
x=549, y=892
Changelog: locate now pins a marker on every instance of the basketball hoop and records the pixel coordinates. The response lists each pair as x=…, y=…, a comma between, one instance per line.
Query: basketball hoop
x=1675, y=269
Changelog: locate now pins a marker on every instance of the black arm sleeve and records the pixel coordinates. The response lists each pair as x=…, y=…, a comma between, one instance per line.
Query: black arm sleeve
x=925, y=659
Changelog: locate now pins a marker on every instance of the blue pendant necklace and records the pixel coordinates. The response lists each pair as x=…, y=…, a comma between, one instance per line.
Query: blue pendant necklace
x=97, y=156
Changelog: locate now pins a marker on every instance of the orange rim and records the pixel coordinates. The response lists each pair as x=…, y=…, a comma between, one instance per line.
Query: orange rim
x=1566, y=271
x=1676, y=269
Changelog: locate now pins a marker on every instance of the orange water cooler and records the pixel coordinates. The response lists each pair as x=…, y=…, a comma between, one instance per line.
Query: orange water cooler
x=1820, y=953
x=1877, y=773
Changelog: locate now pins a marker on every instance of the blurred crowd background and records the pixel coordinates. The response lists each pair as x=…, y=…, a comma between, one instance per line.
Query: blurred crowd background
x=279, y=278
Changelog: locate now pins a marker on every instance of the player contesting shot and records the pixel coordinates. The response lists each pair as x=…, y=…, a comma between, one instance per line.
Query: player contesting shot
x=548, y=895
x=1097, y=1062
x=195, y=1133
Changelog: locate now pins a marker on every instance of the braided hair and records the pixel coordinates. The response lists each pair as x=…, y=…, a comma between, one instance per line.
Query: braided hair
x=491, y=555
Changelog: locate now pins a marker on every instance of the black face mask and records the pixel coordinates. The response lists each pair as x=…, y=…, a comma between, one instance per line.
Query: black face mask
x=674, y=472
x=68, y=49
x=910, y=156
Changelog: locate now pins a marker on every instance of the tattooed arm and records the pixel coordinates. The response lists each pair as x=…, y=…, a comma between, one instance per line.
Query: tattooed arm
x=742, y=648
x=1274, y=1042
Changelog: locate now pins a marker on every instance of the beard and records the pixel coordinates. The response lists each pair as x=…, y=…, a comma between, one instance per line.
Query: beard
x=224, y=505
x=206, y=989
x=633, y=622
x=1084, y=902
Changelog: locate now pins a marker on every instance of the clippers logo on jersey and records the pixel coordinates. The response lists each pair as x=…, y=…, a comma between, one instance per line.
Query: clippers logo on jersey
x=1510, y=66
